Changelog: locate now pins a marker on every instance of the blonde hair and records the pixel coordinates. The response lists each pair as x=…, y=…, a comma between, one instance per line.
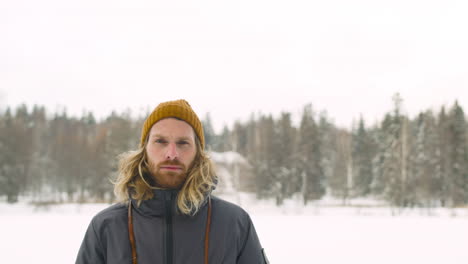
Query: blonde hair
x=133, y=177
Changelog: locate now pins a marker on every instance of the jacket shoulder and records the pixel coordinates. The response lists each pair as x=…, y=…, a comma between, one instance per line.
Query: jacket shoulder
x=96, y=241
x=116, y=212
x=229, y=210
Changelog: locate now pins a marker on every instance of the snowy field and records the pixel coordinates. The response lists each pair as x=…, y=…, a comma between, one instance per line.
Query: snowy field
x=290, y=234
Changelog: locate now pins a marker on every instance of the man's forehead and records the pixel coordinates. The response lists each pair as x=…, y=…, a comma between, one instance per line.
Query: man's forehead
x=172, y=127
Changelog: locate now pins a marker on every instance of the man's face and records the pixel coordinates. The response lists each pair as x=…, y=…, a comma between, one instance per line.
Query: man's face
x=170, y=150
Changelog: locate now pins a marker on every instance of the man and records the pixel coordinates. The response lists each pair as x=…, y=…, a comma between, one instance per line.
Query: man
x=166, y=212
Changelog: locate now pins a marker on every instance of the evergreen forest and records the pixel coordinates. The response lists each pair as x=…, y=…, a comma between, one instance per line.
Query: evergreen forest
x=419, y=161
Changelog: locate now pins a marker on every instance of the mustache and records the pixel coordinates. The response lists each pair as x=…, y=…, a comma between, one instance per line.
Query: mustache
x=171, y=163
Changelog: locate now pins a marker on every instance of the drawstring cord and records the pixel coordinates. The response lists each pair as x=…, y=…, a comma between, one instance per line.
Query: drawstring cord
x=207, y=230
x=131, y=234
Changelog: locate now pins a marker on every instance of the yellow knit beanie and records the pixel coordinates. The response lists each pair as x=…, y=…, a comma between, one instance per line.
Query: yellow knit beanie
x=179, y=109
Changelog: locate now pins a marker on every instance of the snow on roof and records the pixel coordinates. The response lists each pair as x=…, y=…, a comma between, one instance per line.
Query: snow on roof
x=228, y=157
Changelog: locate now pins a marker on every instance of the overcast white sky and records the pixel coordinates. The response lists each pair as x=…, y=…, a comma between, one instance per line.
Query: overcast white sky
x=232, y=58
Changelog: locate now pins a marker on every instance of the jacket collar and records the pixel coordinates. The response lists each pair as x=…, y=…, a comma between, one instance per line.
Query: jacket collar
x=156, y=206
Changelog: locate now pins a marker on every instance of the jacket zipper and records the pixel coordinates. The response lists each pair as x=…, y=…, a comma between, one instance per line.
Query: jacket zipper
x=169, y=237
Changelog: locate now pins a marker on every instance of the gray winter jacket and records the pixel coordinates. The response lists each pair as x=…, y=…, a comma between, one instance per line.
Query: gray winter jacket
x=232, y=237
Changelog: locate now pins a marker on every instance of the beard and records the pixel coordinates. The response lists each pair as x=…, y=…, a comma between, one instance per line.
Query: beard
x=168, y=179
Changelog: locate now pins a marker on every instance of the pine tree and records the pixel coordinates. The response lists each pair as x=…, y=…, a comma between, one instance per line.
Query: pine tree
x=285, y=175
x=17, y=153
x=443, y=169
x=392, y=171
x=239, y=138
x=341, y=181
x=264, y=163
x=6, y=157
x=458, y=153
x=224, y=142
x=66, y=161
x=424, y=161
x=363, y=151
x=310, y=157
x=211, y=140
x=40, y=160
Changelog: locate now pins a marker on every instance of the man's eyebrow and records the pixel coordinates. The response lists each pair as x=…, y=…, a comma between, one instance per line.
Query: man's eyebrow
x=157, y=136
x=183, y=138
x=161, y=136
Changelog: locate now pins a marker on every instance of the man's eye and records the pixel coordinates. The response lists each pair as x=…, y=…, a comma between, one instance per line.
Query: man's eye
x=182, y=142
x=160, y=141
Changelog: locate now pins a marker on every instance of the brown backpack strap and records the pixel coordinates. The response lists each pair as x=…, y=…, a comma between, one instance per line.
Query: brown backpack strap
x=131, y=235
x=207, y=230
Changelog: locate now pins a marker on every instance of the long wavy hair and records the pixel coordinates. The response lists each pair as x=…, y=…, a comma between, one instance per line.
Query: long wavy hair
x=134, y=178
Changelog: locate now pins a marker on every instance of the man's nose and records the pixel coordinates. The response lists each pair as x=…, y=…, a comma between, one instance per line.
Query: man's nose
x=172, y=153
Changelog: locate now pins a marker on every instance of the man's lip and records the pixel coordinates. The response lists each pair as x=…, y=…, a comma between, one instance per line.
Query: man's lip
x=171, y=167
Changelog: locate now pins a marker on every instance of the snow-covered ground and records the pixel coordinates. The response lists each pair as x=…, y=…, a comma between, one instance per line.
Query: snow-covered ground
x=290, y=234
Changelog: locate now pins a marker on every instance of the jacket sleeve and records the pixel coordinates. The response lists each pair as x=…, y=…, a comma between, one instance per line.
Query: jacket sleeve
x=91, y=250
x=251, y=252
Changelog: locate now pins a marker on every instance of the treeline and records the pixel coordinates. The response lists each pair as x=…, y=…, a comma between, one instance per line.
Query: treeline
x=419, y=162
x=406, y=162
x=61, y=158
